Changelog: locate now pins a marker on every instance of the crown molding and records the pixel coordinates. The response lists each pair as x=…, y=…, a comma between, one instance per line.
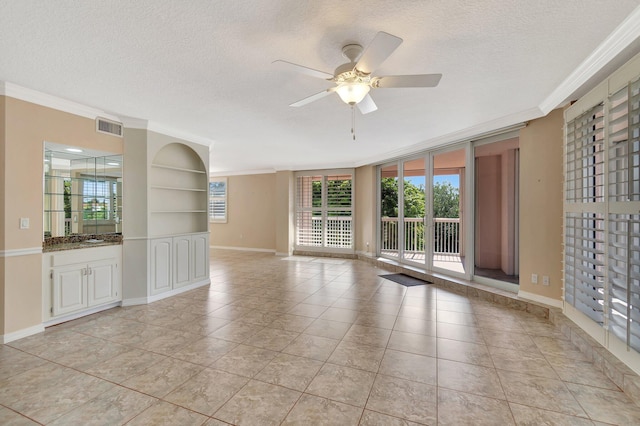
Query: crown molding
x=33, y=96
x=625, y=34
x=486, y=129
x=242, y=172
x=142, y=124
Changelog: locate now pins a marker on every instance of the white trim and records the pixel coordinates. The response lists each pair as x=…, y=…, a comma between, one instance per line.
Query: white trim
x=82, y=313
x=501, y=285
x=242, y=173
x=176, y=291
x=500, y=125
x=21, y=252
x=261, y=250
x=135, y=301
x=367, y=254
x=625, y=34
x=540, y=299
x=25, y=332
x=33, y=96
x=136, y=238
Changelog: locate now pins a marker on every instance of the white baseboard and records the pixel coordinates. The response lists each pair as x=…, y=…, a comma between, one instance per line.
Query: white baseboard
x=243, y=249
x=25, y=332
x=176, y=291
x=135, y=301
x=282, y=254
x=540, y=299
x=80, y=314
x=367, y=254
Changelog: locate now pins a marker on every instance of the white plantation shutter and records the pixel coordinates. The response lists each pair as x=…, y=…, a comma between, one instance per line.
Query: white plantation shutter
x=218, y=200
x=324, y=211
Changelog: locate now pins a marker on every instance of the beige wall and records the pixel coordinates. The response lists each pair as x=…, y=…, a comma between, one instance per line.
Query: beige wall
x=3, y=182
x=541, y=183
x=284, y=211
x=27, y=126
x=251, y=210
x=488, y=212
x=365, y=210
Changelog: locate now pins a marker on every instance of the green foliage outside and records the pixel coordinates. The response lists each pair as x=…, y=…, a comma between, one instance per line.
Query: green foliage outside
x=446, y=199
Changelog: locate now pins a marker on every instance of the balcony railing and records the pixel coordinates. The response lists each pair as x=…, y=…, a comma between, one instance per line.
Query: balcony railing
x=446, y=235
x=338, y=231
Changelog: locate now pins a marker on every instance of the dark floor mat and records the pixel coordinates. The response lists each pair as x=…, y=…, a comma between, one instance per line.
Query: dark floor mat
x=405, y=280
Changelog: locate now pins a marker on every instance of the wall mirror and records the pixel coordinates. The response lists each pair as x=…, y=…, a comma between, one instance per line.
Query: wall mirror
x=82, y=191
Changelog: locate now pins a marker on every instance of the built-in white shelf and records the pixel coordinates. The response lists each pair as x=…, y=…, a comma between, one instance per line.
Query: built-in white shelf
x=180, y=169
x=174, y=188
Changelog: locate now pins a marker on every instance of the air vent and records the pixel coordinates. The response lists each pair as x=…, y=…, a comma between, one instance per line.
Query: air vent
x=108, y=127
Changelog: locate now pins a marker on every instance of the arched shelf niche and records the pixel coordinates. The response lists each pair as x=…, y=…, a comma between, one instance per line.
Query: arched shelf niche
x=178, y=192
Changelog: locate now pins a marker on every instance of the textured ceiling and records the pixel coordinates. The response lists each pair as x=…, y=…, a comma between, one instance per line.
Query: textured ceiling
x=204, y=67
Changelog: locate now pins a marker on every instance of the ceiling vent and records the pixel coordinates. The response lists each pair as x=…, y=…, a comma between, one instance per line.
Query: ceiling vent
x=108, y=127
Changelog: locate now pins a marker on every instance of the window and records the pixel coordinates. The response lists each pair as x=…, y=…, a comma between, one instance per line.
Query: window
x=324, y=211
x=96, y=199
x=218, y=200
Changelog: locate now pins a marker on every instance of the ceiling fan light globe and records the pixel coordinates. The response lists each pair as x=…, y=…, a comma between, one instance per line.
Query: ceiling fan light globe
x=352, y=93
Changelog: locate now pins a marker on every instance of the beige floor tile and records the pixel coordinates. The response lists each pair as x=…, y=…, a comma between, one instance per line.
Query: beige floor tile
x=290, y=322
x=459, y=318
x=412, y=401
x=290, y=371
x=14, y=361
x=170, y=342
x=371, y=336
x=260, y=317
x=313, y=410
x=510, y=340
x=533, y=364
x=125, y=365
x=355, y=355
x=306, y=310
x=46, y=392
x=339, y=314
x=342, y=384
x=558, y=348
x=314, y=347
x=244, y=360
x=405, y=365
x=371, y=319
x=539, y=392
x=501, y=323
x=259, y=404
x=372, y=418
x=414, y=343
x=418, y=312
x=11, y=418
x=236, y=331
x=581, y=372
x=469, y=378
x=329, y=329
x=471, y=353
x=459, y=332
x=163, y=377
x=165, y=414
x=272, y=339
x=529, y=416
x=230, y=312
x=447, y=305
x=205, y=350
x=606, y=405
x=202, y=325
x=116, y=406
x=207, y=391
x=412, y=325
x=459, y=408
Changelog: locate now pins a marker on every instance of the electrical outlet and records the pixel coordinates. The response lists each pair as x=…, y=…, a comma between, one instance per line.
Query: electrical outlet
x=545, y=280
x=24, y=223
x=534, y=278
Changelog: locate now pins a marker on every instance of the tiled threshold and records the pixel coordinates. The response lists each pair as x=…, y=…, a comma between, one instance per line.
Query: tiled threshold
x=603, y=360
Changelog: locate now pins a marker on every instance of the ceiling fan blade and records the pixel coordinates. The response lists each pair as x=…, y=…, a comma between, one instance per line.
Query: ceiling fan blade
x=302, y=69
x=380, y=48
x=367, y=105
x=418, y=80
x=312, y=98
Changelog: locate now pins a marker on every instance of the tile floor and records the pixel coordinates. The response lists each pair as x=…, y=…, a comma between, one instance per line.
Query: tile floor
x=305, y=341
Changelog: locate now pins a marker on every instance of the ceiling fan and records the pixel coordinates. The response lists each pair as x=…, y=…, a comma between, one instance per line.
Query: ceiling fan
x=353, y=80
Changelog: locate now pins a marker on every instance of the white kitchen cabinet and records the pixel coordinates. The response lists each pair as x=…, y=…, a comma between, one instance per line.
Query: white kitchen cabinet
x=182, y=258
x=69, y=289
x=178, y=261
x=161, y=256
x=81, y=280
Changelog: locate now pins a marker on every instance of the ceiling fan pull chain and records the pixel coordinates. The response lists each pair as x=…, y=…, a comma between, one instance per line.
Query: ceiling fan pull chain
x=353, y=122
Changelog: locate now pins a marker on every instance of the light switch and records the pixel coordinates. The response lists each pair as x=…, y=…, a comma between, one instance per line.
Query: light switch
x=24, y=223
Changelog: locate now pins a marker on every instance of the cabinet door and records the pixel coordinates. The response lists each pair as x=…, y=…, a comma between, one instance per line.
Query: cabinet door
x=182, y=261
x=200, y=254
x=102, y=282
x=69, y=289
x=161, y=265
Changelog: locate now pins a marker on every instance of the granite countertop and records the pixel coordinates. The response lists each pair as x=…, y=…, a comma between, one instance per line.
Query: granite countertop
x=74, y=242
